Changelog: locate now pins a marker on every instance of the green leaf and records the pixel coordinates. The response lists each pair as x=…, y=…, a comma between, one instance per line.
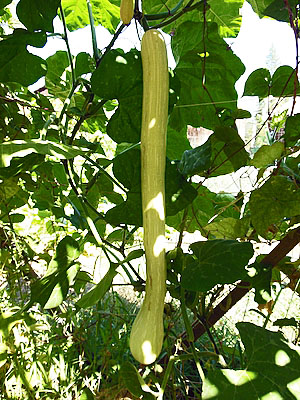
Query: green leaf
x=199, y=105
x=130, y=377
x=258, y=83
x=94, y=295
x=127, y=168
x=275, y=360
x=86, y=395
x=105, y=13
x=205, y=206
x=229, y=228
x=66, y=252
x=21, y=148
x=200, y=211
x=227, y=15
x=116, y=235
x=59, y=284
x=134, y=254
x=259, y=6
x=291, y=167
x=128, y=212
x=54, y=81
x=119, y=76
x=276, y=199
x=261, y=282
x=266, y=155
x=285, y=322
x=158, y=7
x=52, y=289
x=17, y=218
x=196, y=161
x=17, y=165
x=83, y=64
x=272, y=370
x=4, y=3
x=16, y=63
x=134, y=382
x=292, y=130
x=21, y=37
x=37, y=15
x=217, y=261
x=179, y=192
x=240, y=114
x=7, y=321
x=279, y=10
x=9, y=187
x=234, y=146
x=12, y=197
x=222, y=153
x=177, y=143
x=284, y=82
x=76, y=14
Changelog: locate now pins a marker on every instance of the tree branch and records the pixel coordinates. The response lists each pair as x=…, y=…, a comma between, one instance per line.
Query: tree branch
x=277, y=254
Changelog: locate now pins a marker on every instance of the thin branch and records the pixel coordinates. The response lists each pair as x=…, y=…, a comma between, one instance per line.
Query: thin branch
x=93, y=32
x=295, y=27
x=112, y=42
x=189, y=7
x=65, y=37
x=166, y=14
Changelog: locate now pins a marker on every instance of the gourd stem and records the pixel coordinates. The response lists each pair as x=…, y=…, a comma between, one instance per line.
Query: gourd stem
x=65, y=37
x=267, y=319
x=188, y=327
x=190, y=335
x=197, y=362
x=144, y=24
x=93, y=31
x=172, y=359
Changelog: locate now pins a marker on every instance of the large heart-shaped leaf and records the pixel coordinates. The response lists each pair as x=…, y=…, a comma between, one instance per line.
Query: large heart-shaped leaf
x=216, y=261
x=37, y=14
x=203, y=62
x=276, y=199
x=16, y=63
x=272, y=369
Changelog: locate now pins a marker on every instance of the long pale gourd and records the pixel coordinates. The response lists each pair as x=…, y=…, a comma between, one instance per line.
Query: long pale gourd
x=147, y=331
x=126, y=11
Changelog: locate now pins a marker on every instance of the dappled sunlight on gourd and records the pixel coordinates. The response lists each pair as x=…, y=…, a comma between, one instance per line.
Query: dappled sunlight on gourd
x=159, y=246
x=152, y=123
x=157, y=204
x=150, y=356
